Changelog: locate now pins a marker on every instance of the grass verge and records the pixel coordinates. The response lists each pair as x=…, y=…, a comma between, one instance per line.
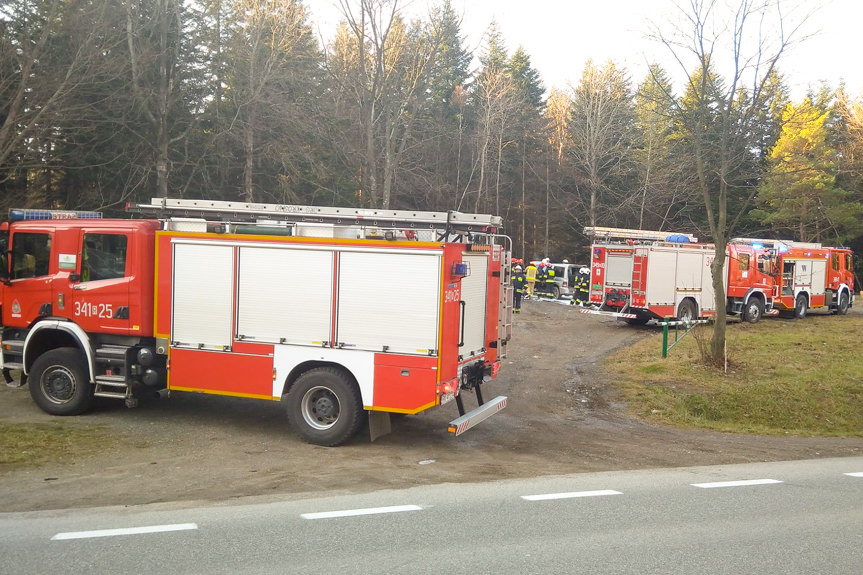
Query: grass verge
x=800, y=377
x=29, y=444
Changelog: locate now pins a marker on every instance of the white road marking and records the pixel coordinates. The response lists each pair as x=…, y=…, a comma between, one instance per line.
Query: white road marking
x=128, y=531
x=570, y=495
x=355, y=512
x=742, y=483
x=860, y=474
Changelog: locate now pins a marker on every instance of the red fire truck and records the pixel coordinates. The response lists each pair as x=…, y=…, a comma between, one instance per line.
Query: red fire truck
x=306, y=305
x=811, y=276
x=639, y=275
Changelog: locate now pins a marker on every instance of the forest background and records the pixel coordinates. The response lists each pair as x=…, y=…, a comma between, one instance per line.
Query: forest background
x=104, y=102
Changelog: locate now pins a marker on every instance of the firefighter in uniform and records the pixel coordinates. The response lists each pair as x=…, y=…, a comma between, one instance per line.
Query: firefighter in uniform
x=548, y=291
x=582, y=287
x=539, y=287
x=530, y=278
x=518, y=284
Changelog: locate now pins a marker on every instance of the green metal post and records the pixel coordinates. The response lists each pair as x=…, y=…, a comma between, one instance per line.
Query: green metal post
x=665, y=339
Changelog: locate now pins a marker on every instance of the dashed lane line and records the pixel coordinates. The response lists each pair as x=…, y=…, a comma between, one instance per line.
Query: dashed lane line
x=355, y=512
x=856, y=474
x=572, y=494
x=742, y=483
x=127, y=531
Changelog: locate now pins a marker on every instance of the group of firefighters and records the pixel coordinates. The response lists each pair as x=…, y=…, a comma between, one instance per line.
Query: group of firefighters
x=538, y=280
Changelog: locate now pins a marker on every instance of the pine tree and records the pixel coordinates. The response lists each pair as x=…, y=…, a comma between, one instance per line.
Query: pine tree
x=800, y=198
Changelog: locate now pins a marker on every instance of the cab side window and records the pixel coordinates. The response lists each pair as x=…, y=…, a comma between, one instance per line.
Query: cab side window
x=834, y=259
x=31, y=254
x=743, y=262
x=104, y=257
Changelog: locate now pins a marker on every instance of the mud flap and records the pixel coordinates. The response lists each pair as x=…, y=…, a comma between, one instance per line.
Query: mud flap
x=379, y=424
x=461, y=424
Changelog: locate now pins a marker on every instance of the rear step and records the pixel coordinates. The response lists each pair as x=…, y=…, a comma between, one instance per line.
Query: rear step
x=461, y=424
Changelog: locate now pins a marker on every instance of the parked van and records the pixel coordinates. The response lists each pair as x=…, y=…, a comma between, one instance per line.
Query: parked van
x=564, y=276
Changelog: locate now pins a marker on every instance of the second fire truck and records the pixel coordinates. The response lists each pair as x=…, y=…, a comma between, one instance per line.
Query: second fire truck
x=640, y=275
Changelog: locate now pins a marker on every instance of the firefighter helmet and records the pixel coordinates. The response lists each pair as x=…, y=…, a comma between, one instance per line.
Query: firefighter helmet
x=584, y=271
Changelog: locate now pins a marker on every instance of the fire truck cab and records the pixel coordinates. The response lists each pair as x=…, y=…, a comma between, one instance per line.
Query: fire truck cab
x=261, y=301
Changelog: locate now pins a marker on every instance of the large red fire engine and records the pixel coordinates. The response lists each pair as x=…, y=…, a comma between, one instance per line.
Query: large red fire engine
x=277, y=302
x=640, y=275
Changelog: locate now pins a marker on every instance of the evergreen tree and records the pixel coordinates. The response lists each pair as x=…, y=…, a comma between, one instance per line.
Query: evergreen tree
x=445, y=128
x=799, y=198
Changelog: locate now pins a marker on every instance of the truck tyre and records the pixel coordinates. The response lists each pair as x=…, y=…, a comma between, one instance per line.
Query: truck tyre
x=687, y=312
x=800, y=306
x=753, y=310
x=325, y=407
x=58, y=382
x=844, y=303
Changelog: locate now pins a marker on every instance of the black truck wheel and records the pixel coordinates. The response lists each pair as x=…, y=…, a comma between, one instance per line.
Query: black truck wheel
x=59, y=384
x=324, y=407
x=753, y=310
x=801, y=306
x=687, y=312
x=844, y=303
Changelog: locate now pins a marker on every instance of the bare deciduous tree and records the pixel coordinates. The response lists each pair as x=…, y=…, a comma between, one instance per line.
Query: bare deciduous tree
x=602, y=115
x=390, y=62
x=266, y=37
x=728, y=52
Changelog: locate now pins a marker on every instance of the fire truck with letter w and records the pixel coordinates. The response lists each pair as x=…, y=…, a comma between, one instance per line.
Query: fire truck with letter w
x=278, y=302
x=809, y=276
x=639, y=275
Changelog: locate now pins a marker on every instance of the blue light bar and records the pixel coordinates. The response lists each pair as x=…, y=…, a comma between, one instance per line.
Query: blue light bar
x=19, y=215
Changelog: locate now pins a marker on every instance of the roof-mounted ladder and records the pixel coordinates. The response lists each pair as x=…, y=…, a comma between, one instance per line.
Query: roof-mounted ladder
x=223, y=211
x=775, y=244
x=627, y=234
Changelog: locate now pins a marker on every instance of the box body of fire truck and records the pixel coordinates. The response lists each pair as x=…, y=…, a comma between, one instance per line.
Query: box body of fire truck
x=291, y=303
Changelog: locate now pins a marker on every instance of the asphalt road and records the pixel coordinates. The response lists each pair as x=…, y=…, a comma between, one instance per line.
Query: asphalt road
x=782, y=518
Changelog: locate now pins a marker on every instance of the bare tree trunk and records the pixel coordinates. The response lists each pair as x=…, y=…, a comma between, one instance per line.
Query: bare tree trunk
x=249, y=152
x=523, y=205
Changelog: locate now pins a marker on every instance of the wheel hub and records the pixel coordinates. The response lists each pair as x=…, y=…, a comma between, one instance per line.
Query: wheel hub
x=324, y=407
x=59, y=385
x=320, y=408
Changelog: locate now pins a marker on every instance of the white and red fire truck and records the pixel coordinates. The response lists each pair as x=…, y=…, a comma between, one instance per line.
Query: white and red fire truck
x=300, y=304
x=640, y=275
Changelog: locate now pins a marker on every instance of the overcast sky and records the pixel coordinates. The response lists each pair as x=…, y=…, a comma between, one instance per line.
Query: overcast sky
x=561, y=35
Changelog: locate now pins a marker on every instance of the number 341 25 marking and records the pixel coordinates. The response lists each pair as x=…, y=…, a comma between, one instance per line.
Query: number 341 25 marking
x=100, y=310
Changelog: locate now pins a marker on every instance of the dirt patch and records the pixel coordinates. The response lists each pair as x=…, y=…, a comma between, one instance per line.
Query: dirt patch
x=562, y=417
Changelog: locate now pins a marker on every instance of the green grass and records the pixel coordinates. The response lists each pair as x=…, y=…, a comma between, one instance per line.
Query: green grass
x=29, y=444
x=784, y=377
